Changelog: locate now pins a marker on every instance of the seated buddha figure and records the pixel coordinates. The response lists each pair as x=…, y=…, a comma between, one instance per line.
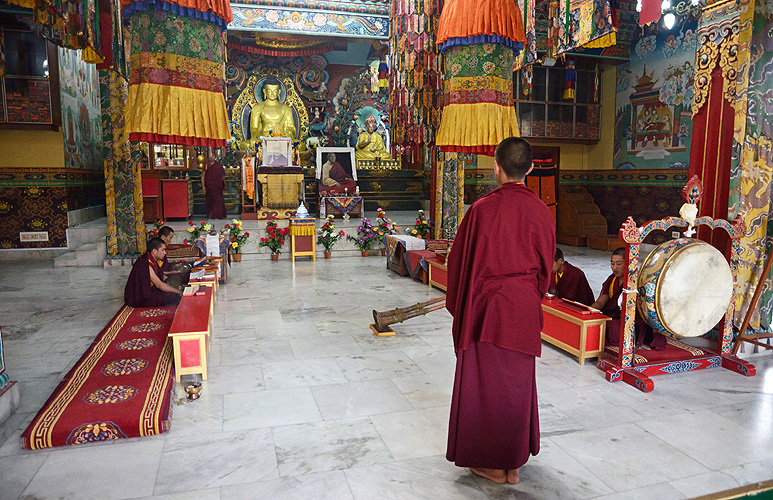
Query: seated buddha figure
x=271, y=117
x=370, y=145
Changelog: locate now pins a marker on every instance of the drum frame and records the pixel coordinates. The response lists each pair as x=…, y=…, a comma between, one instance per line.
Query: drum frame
x=623, y=365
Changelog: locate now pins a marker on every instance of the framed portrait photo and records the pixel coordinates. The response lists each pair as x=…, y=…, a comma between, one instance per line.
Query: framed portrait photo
x=336, y=170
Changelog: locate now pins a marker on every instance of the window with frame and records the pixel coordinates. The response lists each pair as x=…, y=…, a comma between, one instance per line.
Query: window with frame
x=543, y=113
x=25, y=78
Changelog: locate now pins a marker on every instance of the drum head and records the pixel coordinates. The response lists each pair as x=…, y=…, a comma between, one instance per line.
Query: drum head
x=694, y=290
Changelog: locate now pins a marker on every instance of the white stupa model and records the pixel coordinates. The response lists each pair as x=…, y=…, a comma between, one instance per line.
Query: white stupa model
x=302, y=212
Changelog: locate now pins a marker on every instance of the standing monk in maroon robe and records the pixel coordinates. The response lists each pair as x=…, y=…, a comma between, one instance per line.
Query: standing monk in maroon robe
x=569, y=282
x=144, y=288
x=213, y=182
x=498, y=271
x=607, y=303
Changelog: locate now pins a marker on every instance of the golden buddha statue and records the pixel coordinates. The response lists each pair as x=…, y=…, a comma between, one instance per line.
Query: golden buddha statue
x=271, y=117
x=370, y=145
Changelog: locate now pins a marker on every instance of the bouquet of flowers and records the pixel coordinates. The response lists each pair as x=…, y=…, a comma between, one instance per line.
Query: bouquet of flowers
x=366, y=235
x=156, y=226
x=236, y=235
x=421, y=229
x=328, y=236
x=195, y=230
x=276, y=237
x=384, y=223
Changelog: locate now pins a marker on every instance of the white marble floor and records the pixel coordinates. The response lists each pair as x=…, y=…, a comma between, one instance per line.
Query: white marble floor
x=304, y=402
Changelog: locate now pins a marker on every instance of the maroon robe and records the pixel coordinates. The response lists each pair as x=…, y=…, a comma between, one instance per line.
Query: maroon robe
x=573, y=285
x=341, y=176
x=498, y=270
x=214, y=183
x=140, y=291
x=644, y=333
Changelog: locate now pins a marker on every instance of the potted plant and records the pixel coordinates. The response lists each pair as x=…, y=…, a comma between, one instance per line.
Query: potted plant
x=421, y=229
x=328, y=236
x=366, y=236
x=195, y=230
x=275, y=239
x=238, y=237
x=385, y=225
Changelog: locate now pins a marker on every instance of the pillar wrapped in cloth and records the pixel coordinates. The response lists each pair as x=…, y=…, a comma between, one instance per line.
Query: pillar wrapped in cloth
x=480, y=41
x=176, y=78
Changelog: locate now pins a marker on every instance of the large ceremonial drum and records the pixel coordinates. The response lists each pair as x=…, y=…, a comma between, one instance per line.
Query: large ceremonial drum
x=685, y=287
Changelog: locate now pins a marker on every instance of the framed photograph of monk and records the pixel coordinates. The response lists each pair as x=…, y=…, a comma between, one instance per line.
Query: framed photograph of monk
x=336, y=171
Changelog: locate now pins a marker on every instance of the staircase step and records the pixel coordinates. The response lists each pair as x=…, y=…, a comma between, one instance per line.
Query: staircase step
x=91, y=254
x=68, y=259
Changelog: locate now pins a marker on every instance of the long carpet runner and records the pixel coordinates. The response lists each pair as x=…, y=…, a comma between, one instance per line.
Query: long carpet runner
x=121, y=387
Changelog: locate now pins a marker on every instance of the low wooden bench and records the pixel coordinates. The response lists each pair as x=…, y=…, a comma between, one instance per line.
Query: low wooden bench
x=190, y=332
x=582, y=335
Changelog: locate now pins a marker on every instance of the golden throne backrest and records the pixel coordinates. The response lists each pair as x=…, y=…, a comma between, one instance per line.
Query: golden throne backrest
x=240, y=113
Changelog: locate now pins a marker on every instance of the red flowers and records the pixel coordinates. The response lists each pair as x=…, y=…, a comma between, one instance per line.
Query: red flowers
x=276, y=235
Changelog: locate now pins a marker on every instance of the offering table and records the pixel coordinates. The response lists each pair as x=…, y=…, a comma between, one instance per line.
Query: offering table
x=581, y=334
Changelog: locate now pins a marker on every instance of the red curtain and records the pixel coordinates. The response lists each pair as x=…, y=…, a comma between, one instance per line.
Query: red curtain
x=710, y=152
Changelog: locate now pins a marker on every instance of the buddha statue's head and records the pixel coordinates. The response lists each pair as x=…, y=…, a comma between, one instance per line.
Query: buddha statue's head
x=370, y=123
x=272, y=89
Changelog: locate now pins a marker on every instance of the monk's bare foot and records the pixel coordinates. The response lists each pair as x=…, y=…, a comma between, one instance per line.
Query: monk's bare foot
x=499, y=476
x=513, y=476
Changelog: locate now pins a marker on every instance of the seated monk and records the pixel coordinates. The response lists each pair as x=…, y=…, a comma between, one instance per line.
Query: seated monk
x=144, y=287
x=176, y=275
x=569, y=282
x=370, y=146
x=335, y=177
x=608, y=300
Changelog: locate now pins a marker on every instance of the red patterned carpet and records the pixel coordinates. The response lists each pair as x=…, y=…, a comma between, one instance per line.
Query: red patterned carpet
x=121, y=387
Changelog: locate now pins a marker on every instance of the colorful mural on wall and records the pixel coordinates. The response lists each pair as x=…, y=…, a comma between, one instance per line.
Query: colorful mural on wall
x=654, y=99
x=81, y=114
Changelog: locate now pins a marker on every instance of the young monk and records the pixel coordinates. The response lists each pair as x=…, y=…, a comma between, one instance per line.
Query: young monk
x=498, y=271
x=608, y=304
x=144, y=288
x=569, y=282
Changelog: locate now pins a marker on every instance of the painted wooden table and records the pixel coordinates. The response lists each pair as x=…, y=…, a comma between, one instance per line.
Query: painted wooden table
x=579, y=334
x=190, y=332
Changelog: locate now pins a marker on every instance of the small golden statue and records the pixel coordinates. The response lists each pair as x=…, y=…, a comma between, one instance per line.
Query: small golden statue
x=271, y=117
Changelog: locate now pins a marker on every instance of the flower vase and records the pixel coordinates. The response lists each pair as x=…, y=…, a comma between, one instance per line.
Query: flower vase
x=364, y=253
x=237, y=257
x=274, y=256
x=383, y=252
x=327, y=255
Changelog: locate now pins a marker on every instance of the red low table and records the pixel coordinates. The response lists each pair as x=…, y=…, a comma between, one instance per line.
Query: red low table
x=579, y=334
x=190, y=333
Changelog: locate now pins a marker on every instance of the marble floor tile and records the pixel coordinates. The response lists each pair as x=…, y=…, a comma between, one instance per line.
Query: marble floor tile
x=433, y=359
x=400, y=341
x=328, y=446
x=284, y=374
x=210, y=494
x=16, y=473
x=103, y=472
x=357, y=399
x=662, y=491
x=688, y=433
x=420, y=479
x=703, y=484
x=322, y=486
x=378, y=365
x=236, y=379
x=252, y=410
x=590, y=408
x=552, y=474
x=218, y=460
x=608, y=453
x=202, y=416
x=415, y=433
x=427, y=390
x=324, y=347
x=252, y=352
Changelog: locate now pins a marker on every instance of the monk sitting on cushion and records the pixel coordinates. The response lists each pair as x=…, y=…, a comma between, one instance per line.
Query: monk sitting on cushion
x=176, y=275
x=144, y=287
x=569, y=282
x=608, y=304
